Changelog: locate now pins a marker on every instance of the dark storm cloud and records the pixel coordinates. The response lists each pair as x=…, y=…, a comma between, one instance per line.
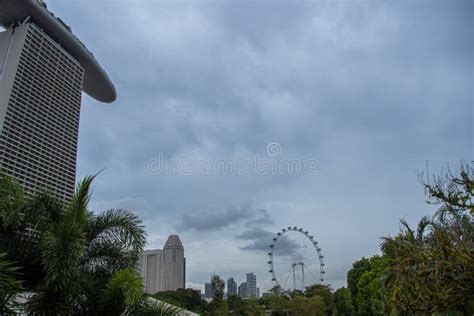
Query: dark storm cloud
x=261, y=240
x=220, y=220
x=256, y=233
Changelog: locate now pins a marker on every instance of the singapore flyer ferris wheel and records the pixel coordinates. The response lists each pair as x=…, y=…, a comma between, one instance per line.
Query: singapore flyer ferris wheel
x=295, y=260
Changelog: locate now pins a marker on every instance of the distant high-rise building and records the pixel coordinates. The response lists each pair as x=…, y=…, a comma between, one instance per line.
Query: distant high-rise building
x=231, y=287
x=151, y=270
x=242, y=290
x=164, y=270
x=173, y=264
x=208, y=290
x=251, y=285
x=43, y=70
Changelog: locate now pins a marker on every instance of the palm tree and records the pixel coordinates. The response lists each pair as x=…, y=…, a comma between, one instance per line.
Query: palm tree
x=431, y=269
x=81, y=251
x=22, y=223
x=218, y=286
x=9, y=285
x=406, y=260
x=218, y=306
x=66, y=254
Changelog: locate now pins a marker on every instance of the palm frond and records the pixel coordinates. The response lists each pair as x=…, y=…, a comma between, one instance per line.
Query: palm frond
x=115, y=229
x=62, y=248
x=46, y=302
x=8, y=275
x=12, y=198
x=153, y=307
x=43, y=209
x=406, y=227
x=105, y=257
x=128, y=284
x=10, y=285
x=77, y=208
x=422, y=225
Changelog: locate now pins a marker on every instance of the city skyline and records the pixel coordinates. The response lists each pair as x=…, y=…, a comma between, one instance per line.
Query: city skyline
x=362, y=88
x=246, y=289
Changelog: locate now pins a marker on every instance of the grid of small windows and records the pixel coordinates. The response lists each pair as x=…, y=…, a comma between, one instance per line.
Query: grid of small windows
x=38, y=143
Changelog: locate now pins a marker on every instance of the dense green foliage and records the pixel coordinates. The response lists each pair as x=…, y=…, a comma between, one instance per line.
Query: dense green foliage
x=72, y=260
x=218, y=306
x=325, y=293
x=251, y=306
x=218, y=287
x=9, y=284
x=428, y=270
x=369, y=295
x=343, y=302
x=431, y=268
x=123, y=291
x=358, y=269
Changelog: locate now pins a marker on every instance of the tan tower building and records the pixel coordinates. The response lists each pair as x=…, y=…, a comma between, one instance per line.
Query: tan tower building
x=174, y=264
x=151, y=270
x=164, y=269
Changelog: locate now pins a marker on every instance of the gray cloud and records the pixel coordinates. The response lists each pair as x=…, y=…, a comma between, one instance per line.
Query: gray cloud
x=261, y=240
x=261, y=218
x=371, y=88
x=223, y=219
x=256, y=233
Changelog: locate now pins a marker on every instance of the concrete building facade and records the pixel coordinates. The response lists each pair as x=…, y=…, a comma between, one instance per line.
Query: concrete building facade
x=151, y=270
x=43, y=70
x=208, y=290
x=242, y=290
x=231, y=287
x=40, y=102
x=164, y=269
x=174, y=264
x=251, y=285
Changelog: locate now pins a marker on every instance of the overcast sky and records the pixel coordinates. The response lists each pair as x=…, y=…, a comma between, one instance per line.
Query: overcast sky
x=357, y=95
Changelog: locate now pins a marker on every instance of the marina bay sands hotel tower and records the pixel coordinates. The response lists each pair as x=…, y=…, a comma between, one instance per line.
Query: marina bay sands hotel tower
x=44, y=68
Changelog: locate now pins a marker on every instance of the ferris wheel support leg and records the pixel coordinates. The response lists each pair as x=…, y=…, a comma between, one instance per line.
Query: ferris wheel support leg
x=294, y=278
x=302, y=277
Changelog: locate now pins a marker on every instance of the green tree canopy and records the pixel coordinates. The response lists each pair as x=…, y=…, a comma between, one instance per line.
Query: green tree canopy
x=343, y=302
x=323, y=291
x=431, y=268
x=355, y=273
